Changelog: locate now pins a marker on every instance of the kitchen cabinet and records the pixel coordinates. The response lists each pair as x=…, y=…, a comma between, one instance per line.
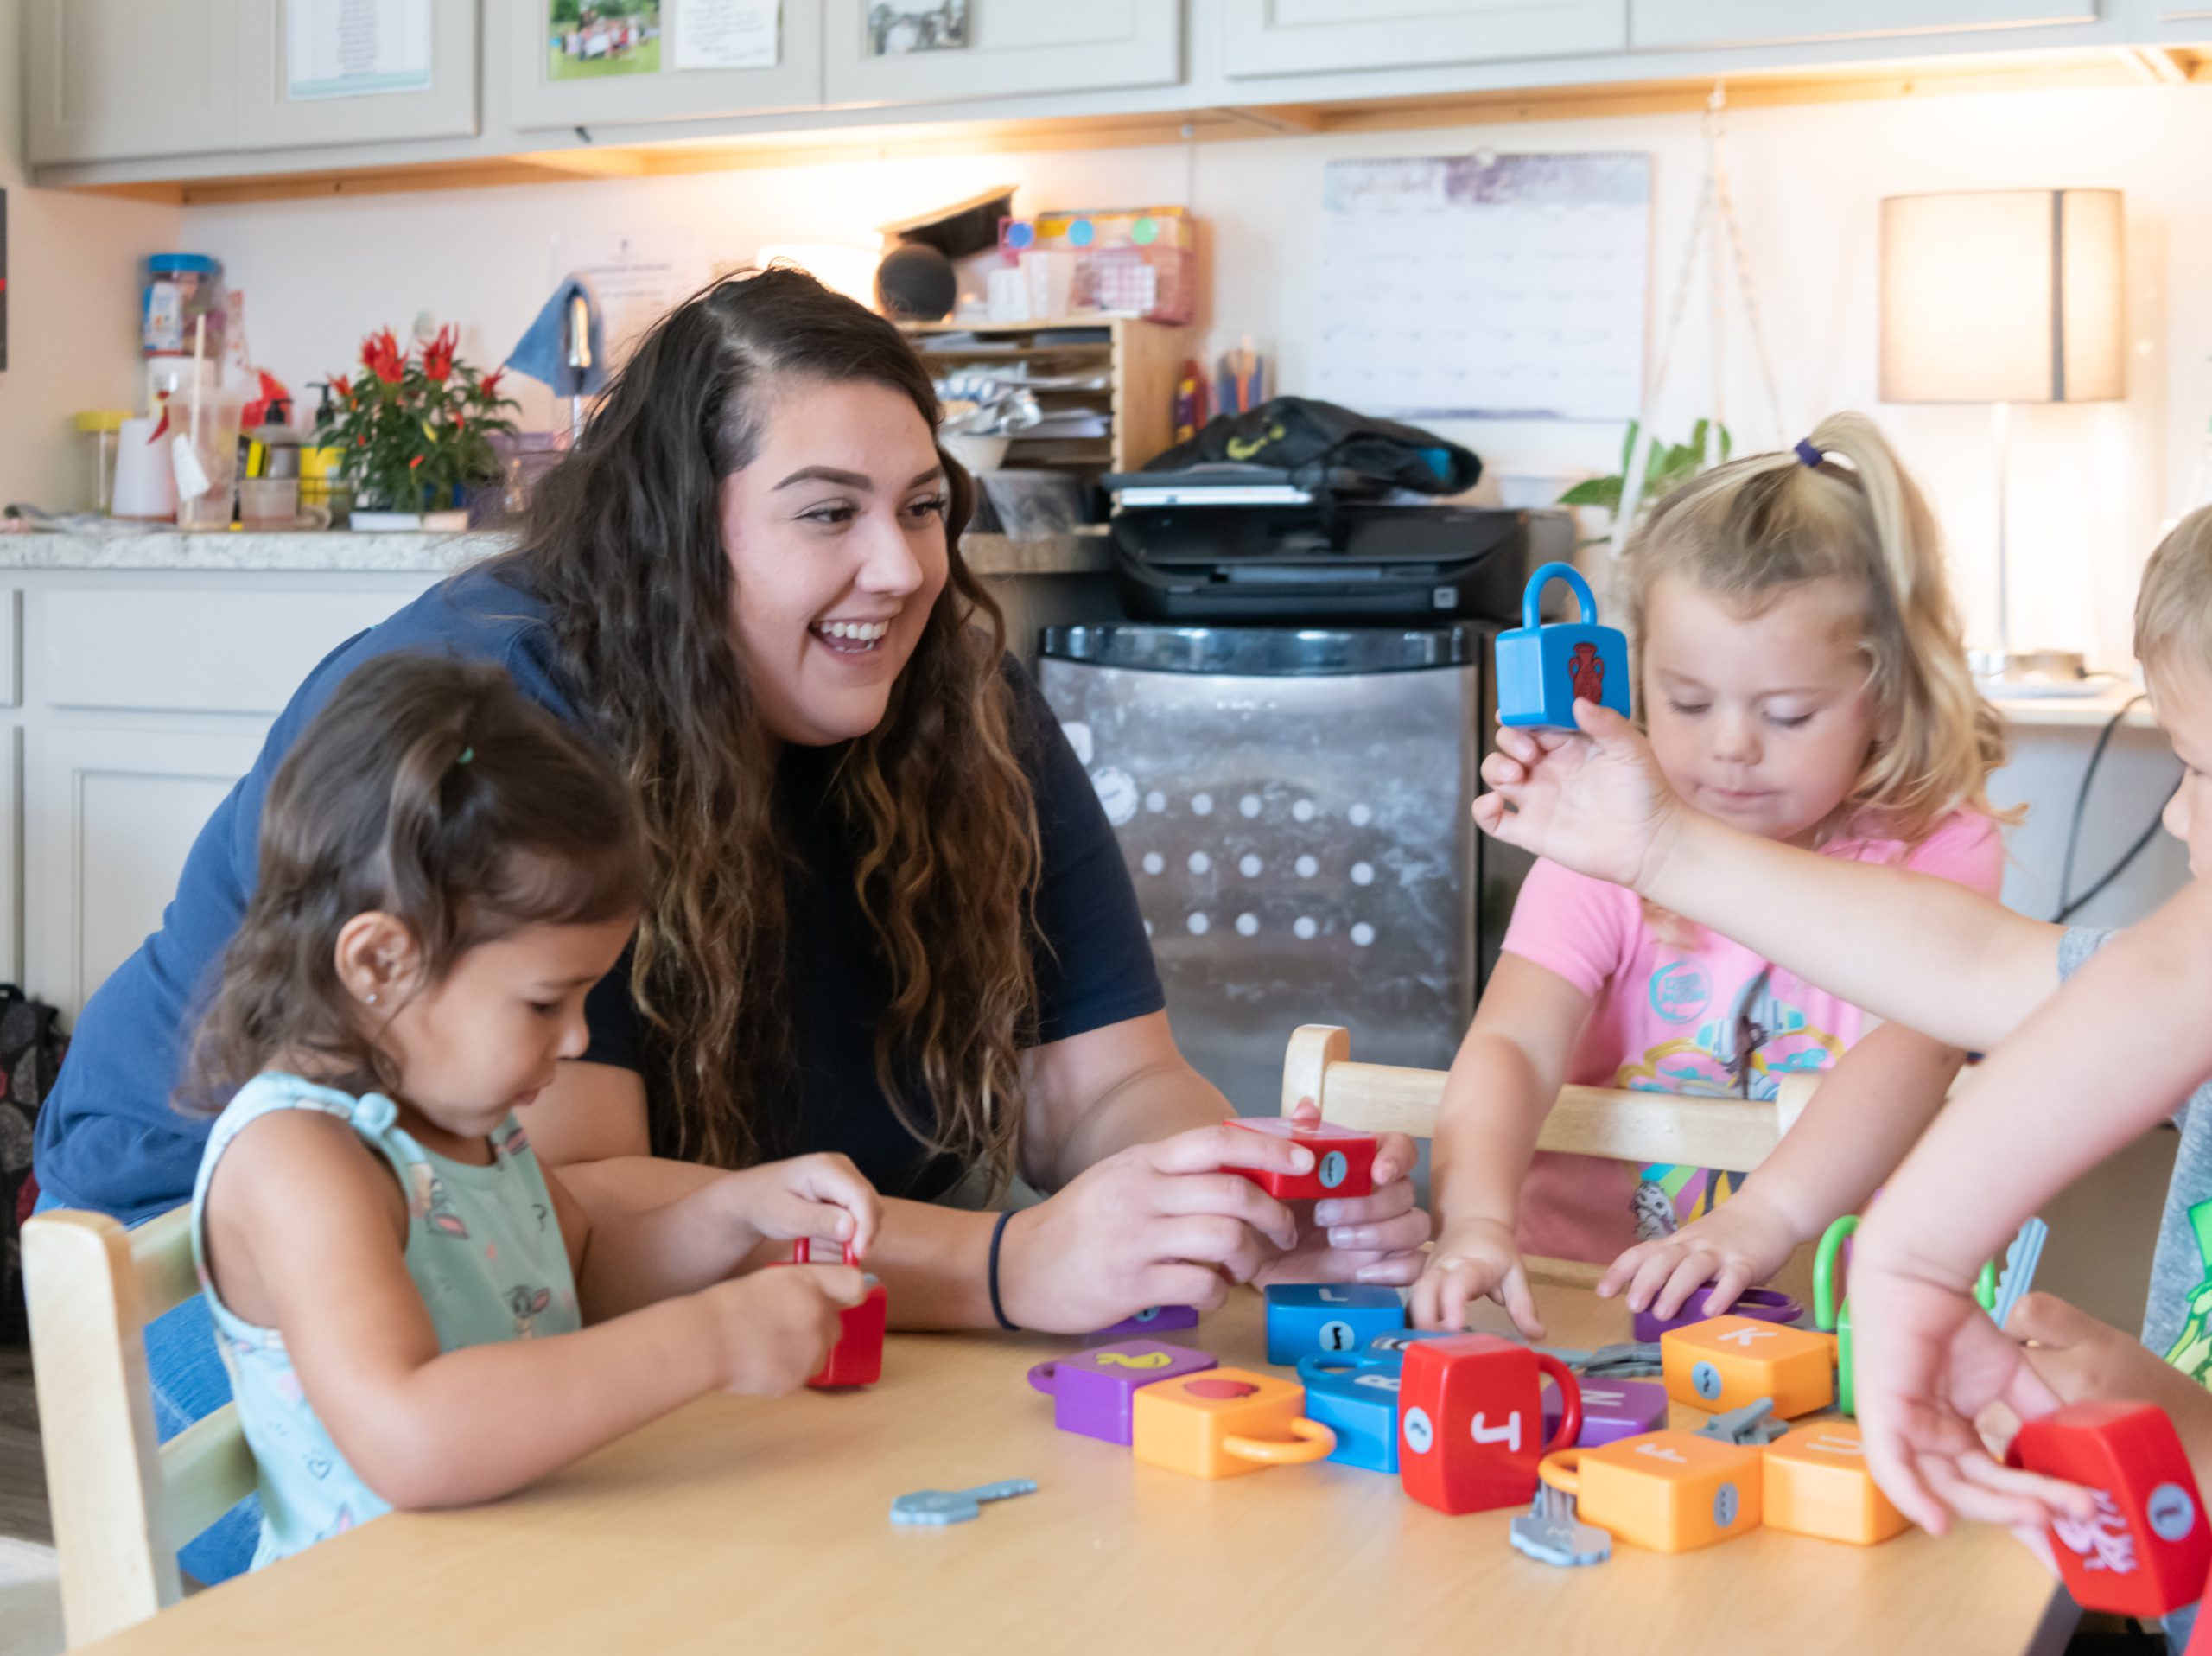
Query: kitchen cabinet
x=2171, y=22
x=1664, y=24
x=268, y=118
x=1279, y=37
x=1016, y=48
x=537, y=100
x=123, y=79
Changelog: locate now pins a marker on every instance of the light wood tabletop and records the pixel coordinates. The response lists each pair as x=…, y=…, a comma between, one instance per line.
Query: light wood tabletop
x=738, y=1525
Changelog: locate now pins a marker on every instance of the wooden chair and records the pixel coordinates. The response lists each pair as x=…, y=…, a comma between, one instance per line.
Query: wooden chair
x=123, y=1503
x=1621, y=1127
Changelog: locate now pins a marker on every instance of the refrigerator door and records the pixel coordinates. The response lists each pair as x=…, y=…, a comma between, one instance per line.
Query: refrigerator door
x=1301, y=848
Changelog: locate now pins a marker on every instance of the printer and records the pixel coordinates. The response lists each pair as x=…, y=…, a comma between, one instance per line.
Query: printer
x=1230, y=543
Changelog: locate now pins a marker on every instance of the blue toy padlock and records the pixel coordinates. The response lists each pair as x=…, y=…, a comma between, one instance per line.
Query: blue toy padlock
x=1357, y=1398
x=1543, y=671
x=1328, y=1319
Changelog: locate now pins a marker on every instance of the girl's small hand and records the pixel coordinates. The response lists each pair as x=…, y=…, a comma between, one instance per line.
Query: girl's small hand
x=1471, y=1261
x=774, y=1328
x=1371, y=1238
x=1594, y=802
x=1928, y=1359
x=1738, y=1244
x=819, y=1196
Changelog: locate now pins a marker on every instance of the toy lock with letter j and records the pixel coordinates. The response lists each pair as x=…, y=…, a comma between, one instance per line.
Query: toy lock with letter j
x=857, y=1358
x=1544, y=669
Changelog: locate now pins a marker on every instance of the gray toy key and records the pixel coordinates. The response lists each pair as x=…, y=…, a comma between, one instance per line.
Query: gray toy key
x=955, y=1506
x=1549, y=1533
x=1625, y=1359
x=1753, y=1425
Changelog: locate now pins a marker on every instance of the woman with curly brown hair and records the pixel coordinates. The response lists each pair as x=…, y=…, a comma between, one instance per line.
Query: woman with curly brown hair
x=886, y=915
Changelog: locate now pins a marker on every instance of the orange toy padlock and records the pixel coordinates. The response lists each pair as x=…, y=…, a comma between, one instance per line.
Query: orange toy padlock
x=1225, y=1422
x=1669, y=1491
x=857, y=1358
x=1816, y=1483
x=1726, y=1362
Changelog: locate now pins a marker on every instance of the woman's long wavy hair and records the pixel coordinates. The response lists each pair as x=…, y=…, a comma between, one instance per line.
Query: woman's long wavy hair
x=624, y=543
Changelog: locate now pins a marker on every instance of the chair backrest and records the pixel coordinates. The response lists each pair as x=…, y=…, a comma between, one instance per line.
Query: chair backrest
x=122, y=1502
x=1619, y=1125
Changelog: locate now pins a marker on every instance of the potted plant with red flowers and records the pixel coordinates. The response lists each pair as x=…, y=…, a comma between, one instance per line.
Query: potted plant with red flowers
x=413, y=432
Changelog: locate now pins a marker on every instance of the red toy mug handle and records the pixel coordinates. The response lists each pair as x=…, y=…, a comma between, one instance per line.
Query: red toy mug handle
x=1570, y=1400
x=802, y=1248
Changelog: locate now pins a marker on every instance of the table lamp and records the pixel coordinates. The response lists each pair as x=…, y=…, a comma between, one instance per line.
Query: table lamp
x=2005, y=297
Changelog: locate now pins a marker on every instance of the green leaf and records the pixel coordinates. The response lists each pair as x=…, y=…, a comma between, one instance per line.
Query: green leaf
x=1595, y=491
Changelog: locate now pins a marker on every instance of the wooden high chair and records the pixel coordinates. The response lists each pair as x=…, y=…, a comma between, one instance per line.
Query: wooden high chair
x=1618, y=1125
x=123, y=1503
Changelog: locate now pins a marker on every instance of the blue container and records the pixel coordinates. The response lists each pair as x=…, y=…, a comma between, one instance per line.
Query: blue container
x=1357, y=1398
x=1543, y=670
x=1329, y=1319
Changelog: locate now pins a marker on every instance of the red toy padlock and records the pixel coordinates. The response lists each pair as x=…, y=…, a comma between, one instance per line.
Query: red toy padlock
x=1343, y=1161
x=2146, y=1550
x=1471, y=1421
x=857, y=1358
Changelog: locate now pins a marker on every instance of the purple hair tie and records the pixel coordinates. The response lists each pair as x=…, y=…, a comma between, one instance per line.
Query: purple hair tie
x=1807, y=453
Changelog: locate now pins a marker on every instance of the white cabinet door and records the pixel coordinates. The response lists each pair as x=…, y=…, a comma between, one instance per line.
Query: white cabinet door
x=1269, y=37
x=551, y=87
x=269, y=118
x=118, y=79
x=2171, y=20
x=1015, y=48
x=1661, y=23
x=116, y=809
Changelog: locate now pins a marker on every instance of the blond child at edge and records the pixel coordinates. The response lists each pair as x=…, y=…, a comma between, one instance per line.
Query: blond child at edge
x=413, y=1310
x=2104, y=1058
x=1801, y=676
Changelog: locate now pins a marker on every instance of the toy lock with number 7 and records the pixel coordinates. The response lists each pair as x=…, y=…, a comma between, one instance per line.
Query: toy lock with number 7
x=1543, y=669
x=857, y=1358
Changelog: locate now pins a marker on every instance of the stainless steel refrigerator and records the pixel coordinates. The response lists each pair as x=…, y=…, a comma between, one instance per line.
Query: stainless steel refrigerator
x=1292, y=805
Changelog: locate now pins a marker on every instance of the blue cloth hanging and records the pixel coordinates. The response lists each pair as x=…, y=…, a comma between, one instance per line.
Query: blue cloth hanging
x=543, y=352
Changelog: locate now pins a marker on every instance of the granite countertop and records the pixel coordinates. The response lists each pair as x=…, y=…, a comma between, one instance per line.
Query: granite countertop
x=1083, y=552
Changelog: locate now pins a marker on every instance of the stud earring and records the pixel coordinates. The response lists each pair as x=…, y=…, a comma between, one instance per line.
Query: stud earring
x=371, y=997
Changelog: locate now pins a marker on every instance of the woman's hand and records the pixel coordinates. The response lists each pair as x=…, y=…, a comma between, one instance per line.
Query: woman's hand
x=1738, y=1244
x=1471, y=1261
x=823, y=1197
x=1927, y=1360
x=1371, y=1238
x=1156, y=1224
x=1594, y=802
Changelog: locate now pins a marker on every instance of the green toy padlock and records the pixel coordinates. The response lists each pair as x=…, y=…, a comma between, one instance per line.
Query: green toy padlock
x=1543, y=670
x=1830, y=1318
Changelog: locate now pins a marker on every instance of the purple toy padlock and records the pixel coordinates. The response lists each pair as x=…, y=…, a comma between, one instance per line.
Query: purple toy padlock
x=1611, y=1409
x=1760, y=1304
x=1094, y=1391
x=1152, y=1320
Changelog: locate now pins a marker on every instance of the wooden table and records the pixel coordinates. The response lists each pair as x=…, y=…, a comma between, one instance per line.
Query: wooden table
x=738, y=1525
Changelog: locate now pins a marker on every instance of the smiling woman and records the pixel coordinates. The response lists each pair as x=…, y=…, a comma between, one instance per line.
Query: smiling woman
x=885, y=914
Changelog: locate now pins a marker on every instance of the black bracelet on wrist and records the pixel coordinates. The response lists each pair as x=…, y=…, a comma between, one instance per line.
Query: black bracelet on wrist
x=998, y=1310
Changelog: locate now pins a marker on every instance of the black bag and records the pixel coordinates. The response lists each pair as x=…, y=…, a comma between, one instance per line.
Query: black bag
x=1328, y=448
x=31, y=1050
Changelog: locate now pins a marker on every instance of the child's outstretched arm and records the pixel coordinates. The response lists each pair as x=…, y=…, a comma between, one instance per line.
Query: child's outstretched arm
x=2117, y=1049
x=625, y=1257
x=1501, y=1085
x=1870, y=1108
x=308, y=1232
x=1913, y=948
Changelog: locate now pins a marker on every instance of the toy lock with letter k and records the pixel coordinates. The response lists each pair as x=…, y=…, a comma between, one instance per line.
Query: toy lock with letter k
x=1544, y=669
x=857, y=1358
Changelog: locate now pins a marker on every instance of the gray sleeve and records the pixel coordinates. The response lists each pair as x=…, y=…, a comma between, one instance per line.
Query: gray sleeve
x=2078, y=944
x=2174, y=1314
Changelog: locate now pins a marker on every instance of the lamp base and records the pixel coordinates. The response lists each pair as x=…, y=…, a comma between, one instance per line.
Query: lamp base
x=2002, y=673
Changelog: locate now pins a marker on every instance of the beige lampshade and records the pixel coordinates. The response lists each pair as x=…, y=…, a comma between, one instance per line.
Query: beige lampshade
x=2002, y=296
